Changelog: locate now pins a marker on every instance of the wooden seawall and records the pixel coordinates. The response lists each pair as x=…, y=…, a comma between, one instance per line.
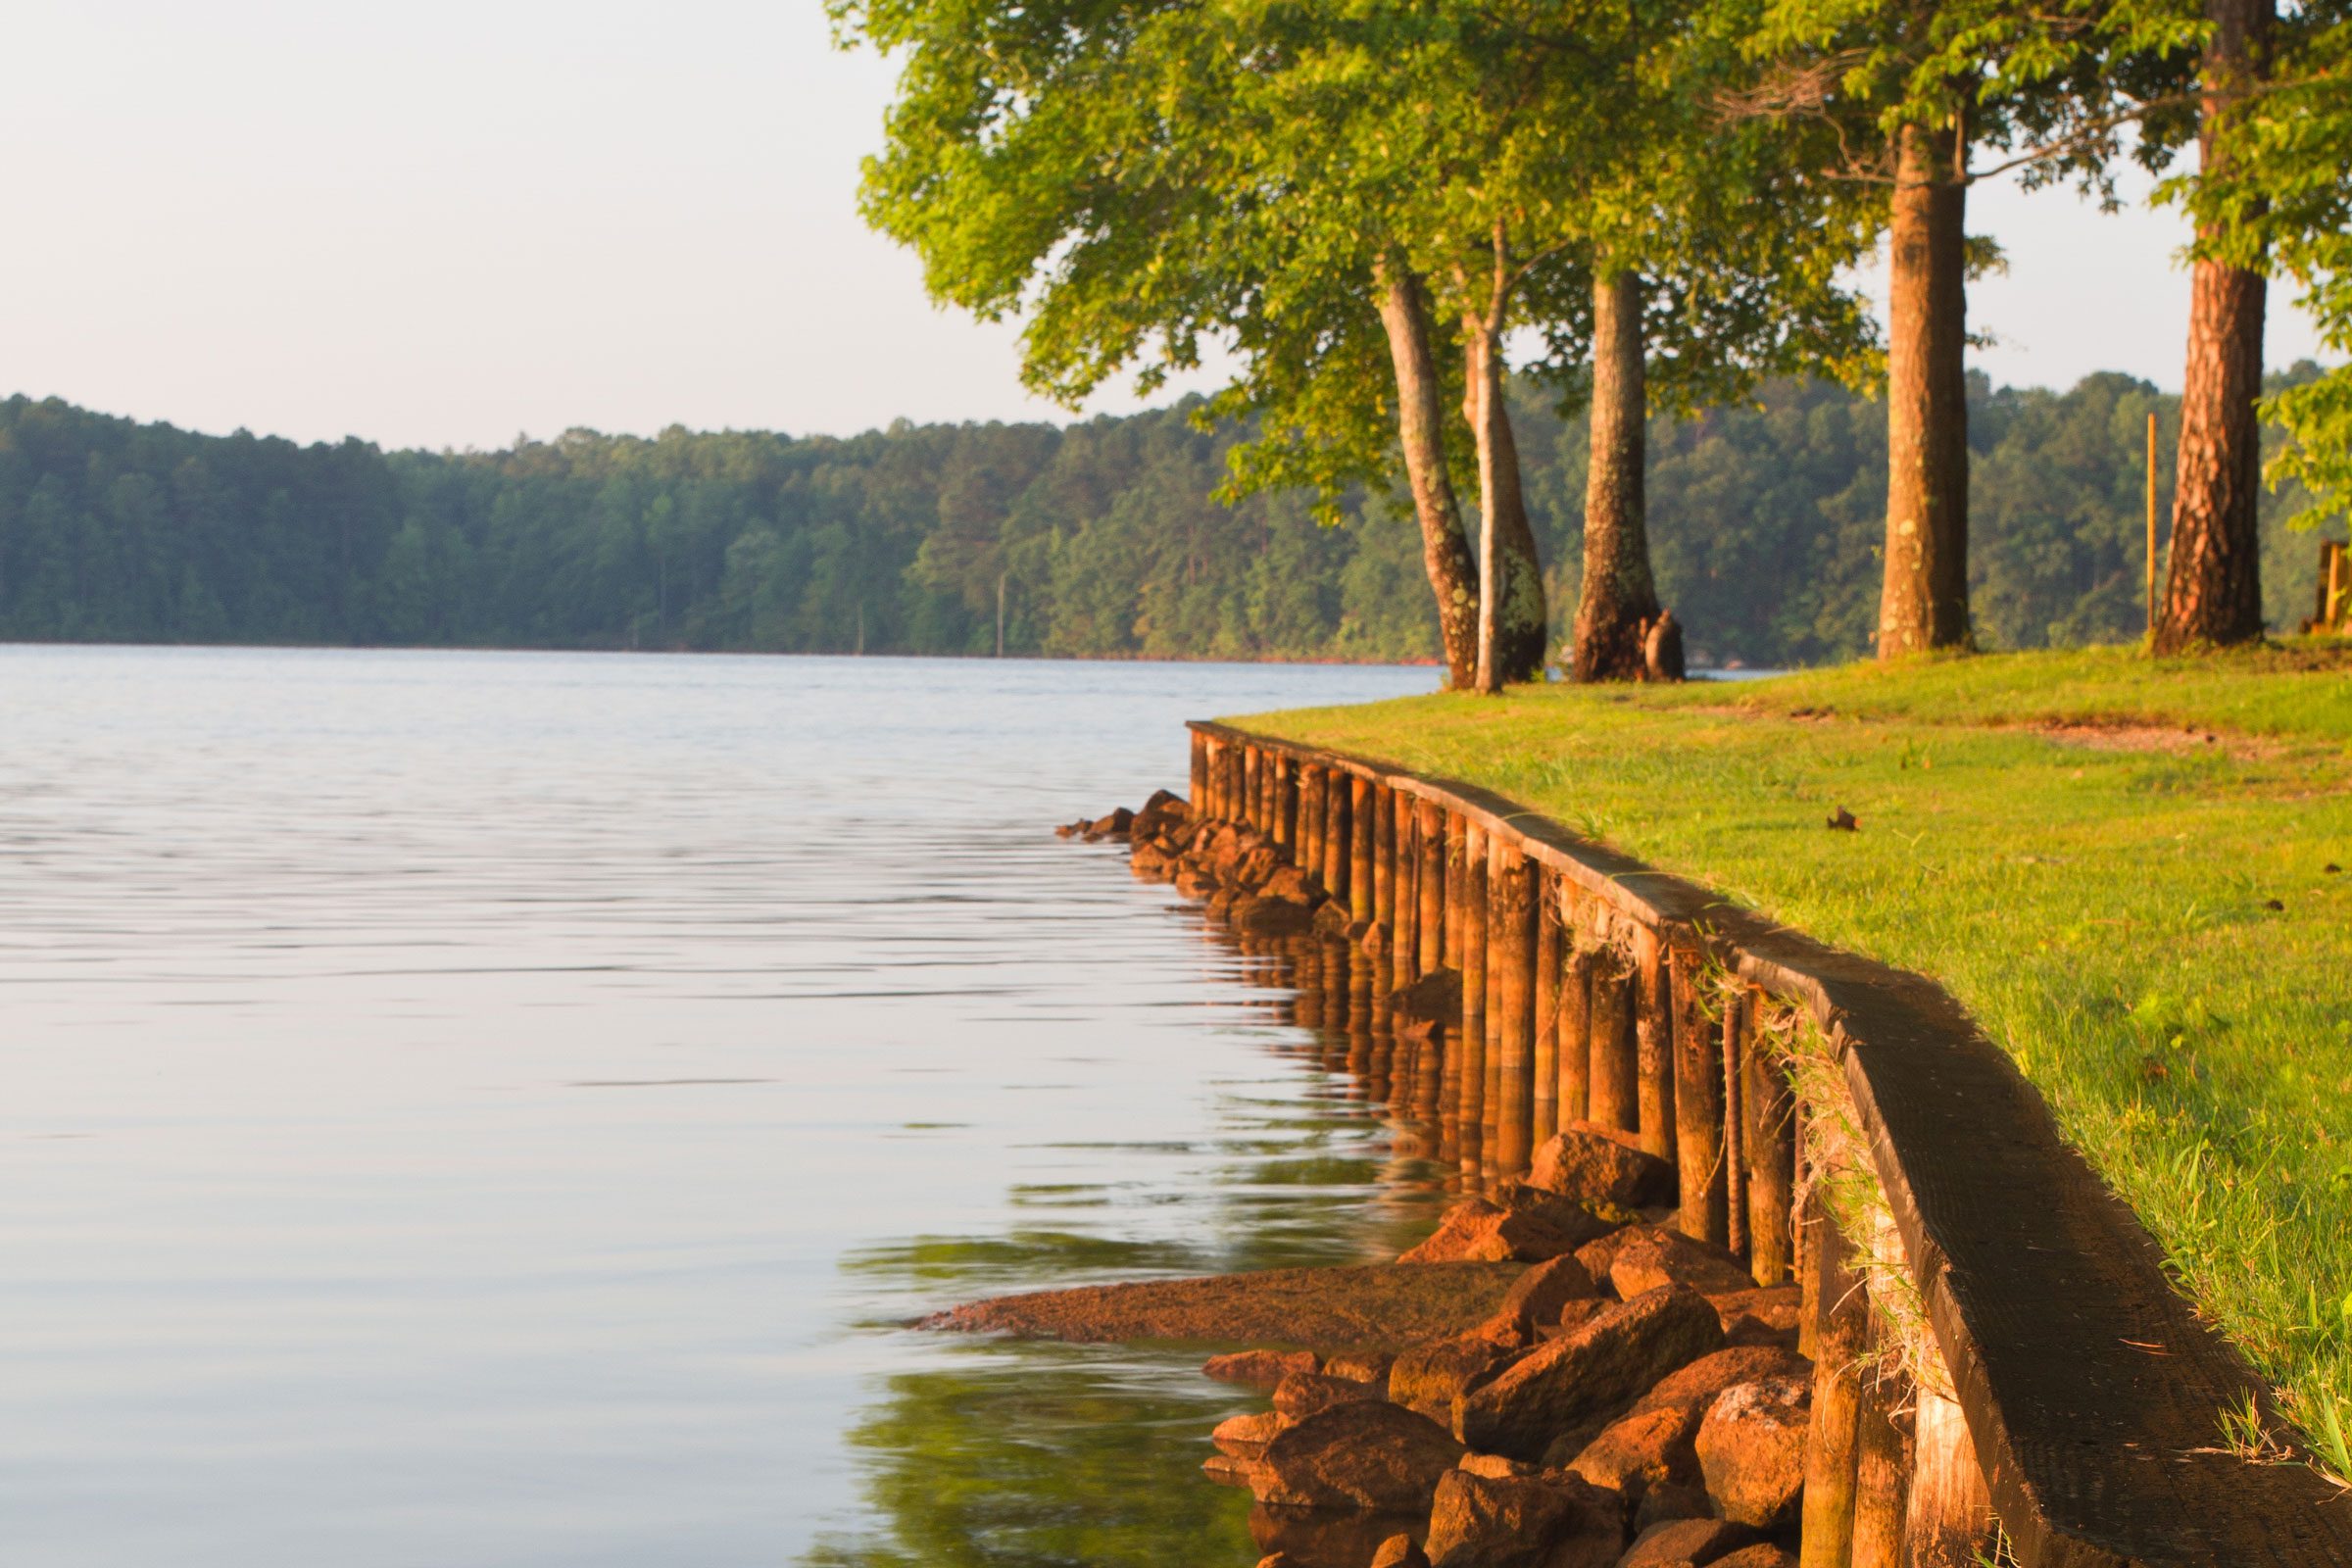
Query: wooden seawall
x=2062, y=1403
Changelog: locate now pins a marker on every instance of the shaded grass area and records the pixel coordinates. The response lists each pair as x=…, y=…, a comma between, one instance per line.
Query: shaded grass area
x=2150, y=924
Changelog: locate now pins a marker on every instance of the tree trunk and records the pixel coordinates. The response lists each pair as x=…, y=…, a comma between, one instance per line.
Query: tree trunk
x=1512, y=626
x=1421, y=429
x=1619, y=593
x=1925, y=604
x=2213, y=589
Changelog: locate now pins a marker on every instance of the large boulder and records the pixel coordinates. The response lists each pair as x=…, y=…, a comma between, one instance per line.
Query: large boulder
x=1366, y=1454
x=1752, y=1450
x=1685, y=1544
x=1160, y=812
x=1655, y=1443
x=1302, y=1393
x=1245, y=1437
x=1760, y=1316
x=1365, y=1306
x=1399, y=1551
x=1541, y=1294
x=1602, y=1164
x=1523, y=1522
x=1519, y=1409
x=1260, y=915
x=1329, y=1537
x=1653, y=1255
x=1429, y=1378
x=1585, y=1221
x=1476, y=1230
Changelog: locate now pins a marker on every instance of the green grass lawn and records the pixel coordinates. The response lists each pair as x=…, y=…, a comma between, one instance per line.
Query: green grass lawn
x=2150, y=922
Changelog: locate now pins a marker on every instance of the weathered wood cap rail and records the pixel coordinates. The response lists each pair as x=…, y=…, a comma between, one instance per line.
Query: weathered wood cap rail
x=2093, y=1392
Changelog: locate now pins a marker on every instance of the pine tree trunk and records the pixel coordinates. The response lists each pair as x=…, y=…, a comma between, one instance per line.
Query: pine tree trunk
x=1512, y=622
x=1619, y=592
x=1421, y=429
x=1925, y=601
x=2213, y=588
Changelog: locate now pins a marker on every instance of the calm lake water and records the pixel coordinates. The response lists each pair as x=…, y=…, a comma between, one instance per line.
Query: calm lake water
x=494, y=1108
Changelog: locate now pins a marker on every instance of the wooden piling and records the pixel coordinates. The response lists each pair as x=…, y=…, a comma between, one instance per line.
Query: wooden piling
x=1770, y=1108
x=1616, y=1075
x=1471, y=887
x=1516, y=945
x=1456, y=839
x=1430, y=834
x=1698, y=1120
x=1948, y=1519
x=1653, y=1035
x=1361, y=892
x=1882, y=1471
x=1285, y=803
x=1383, y=859
x=1338, y=839
x=1309, y=857
x=1576, y=1031
x=1841, y=1324
x=1734, y=1119
x=1543, y=1110
x=1199, y=800
x=1253, y=801
x=1404, y=927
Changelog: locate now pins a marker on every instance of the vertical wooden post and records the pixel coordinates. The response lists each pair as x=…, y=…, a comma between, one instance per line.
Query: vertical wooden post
x=1268, y=793
x=1734, y=1118
x=1309, y=858
x=1947, y=1521
x=1544, y=1114
x=1471, y=886
x=1771, y=1140
x=1383, y=859
x=1698, y=1121
x=1841, y=1322
x=1431, y=834
x=1616, y=1053
x=1229, y=789
x=1360, y=826
x=1455, y=911
x=1404, y=941
x=1338, y=838
x=1576, y=1031
x=1199, y=800
x=1881, y=1475
x=1653, y=1035
x=1252, y=801
x=1281, y=823
x=1514, y=948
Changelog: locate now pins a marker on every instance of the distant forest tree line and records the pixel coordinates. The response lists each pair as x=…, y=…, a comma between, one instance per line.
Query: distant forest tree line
x=1103, y=537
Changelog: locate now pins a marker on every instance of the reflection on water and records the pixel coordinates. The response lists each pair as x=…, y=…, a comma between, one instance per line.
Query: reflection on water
x=1032, y=1453
x=489, y=1110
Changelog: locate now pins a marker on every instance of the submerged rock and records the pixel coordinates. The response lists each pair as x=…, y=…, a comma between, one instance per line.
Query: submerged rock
x=1602, y=1164
x=1372, y=1307
x=1685, y=1544
x=1259, y=1369
x=1475, y=1230
x=1245, y=1437
x=1431, y=1377
x=1523, y=1522
x=1366, y=1454
x=1328, y=1537
x=1302, y=1393
x=1399, y=1551
x=1432, y=1002
x=1620, y=1352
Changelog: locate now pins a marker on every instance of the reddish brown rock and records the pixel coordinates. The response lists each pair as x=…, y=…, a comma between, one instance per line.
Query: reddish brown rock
x=1365, y=1454
x=1600, y=1254
x=1664, y=1504
x=1326, y=1538
x=1653, y=1255
x=1479, y=1232
x=1541, y=1294
x=1602, y=1164
x=1752, y=1450
x=1162, y=812
x=1232, y=1470
x=1764, y=1554
x=1259, y=1369
x=1364, y=1367
x=1685, y=1543
x=1114, y=826
x=1575, y=1316
x=1582, y=1220
x=1302, y=1393
x=1367, y=1307
x=1262, y=916
x=1640, y=1451
x=1399, y=1551
x=1761, y=1313
x=1429, y=1379
x=1492, y=1465
x=1245, y=1437
x=1523, y=1407
x=1523, y=1522
x=1293, y=884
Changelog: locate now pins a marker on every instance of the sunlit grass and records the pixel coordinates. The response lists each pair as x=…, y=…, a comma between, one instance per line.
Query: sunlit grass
x=2149, y=925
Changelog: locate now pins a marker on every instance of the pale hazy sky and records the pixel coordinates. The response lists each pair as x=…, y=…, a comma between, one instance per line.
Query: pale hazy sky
x=443, y=224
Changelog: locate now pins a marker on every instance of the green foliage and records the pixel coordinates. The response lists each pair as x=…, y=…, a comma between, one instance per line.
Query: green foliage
x=1764, y=522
